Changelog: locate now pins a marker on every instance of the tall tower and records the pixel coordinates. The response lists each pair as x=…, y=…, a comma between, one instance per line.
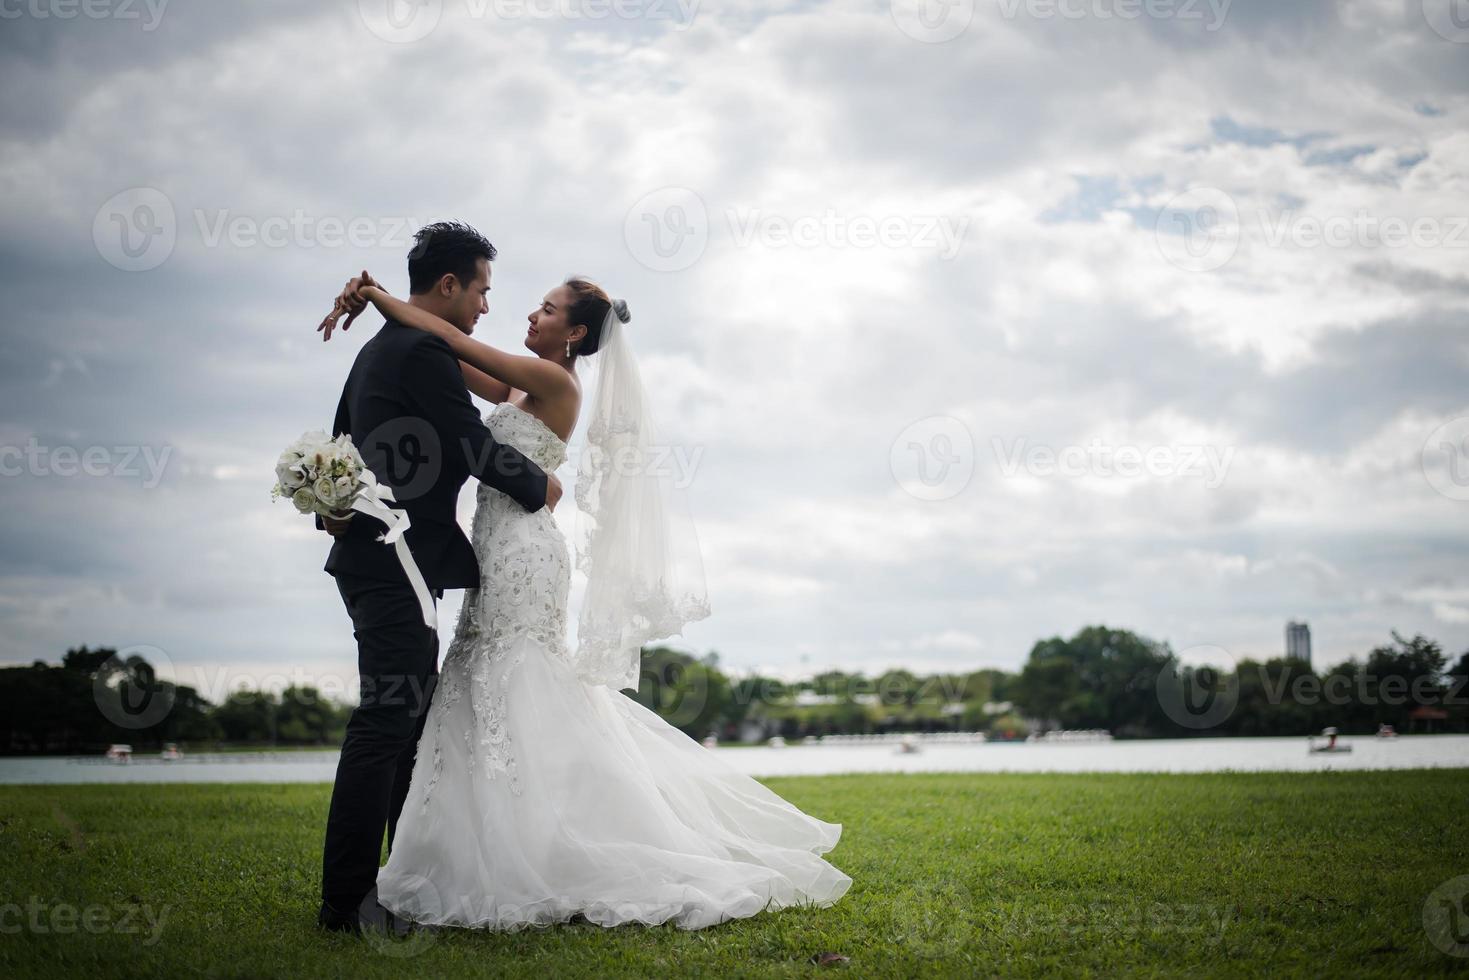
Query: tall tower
x=1298, y=642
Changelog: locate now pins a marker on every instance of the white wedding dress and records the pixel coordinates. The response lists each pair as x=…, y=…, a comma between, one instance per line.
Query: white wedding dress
x=537, y=796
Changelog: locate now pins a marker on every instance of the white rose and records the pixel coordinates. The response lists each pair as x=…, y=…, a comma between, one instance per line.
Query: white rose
x=304, y=500
x=325, y=490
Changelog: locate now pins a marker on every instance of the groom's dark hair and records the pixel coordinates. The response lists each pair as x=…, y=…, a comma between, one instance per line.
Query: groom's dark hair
x=445, y=247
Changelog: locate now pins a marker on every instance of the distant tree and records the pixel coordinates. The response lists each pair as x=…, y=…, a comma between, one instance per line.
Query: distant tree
x=305, y=717
x=1100, y=678
x=1401, y=676
x=685, y=692
x=248, y=716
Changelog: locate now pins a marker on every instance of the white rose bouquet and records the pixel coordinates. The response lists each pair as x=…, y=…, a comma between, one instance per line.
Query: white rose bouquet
x=320, y=475
x=327, y=476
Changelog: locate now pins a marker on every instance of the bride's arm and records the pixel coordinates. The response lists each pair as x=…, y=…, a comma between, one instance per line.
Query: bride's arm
x=540, y=378
x=351, y=304
x=483, y=385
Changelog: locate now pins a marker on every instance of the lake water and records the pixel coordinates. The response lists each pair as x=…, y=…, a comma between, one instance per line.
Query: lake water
x=1160, y=755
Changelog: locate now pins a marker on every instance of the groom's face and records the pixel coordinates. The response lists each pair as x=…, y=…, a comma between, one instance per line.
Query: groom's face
x=470, y=301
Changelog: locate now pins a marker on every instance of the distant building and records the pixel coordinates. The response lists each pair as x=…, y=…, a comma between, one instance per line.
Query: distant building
x=1298, y=642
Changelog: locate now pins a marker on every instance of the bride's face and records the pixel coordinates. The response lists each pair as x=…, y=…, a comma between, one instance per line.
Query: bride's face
x=549, y=329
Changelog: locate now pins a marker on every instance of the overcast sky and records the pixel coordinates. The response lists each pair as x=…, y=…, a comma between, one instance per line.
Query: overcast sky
x=985, y=321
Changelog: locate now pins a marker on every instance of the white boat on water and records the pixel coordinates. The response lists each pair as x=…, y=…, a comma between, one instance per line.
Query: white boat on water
x=1330, y=745
x=120, y=753
x=1069, y=736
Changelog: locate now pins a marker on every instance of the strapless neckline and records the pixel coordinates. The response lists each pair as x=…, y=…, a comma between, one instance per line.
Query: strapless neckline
x=549, y=431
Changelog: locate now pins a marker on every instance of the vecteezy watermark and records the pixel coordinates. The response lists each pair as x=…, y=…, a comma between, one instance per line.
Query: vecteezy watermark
x=147, y=12
x=932, y=21
x=1445, y=459
x=933, y=459
x=1302, y=230
x=1207, y=922
x=42, y=918
x=127, y=690
x=678, y=463
x=300, y=229
x=667, y=230
x=1201, y=229
x=679, y=14
x=1200, y=688
x=401, y=21
x=34, y=459
x=406, y=939
x=1446, y=917
x=138, y=229
x=135, y=230
x=405, y=21
x=1211, y=12
x=942, y=233
x=1198, y=230
x=1448, y=18
x=1126, y=461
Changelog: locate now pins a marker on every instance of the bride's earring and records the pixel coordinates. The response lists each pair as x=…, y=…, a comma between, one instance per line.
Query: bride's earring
x=568, y=348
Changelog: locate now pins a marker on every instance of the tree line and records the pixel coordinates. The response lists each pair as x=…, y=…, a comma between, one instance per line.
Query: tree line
x=1101, y=678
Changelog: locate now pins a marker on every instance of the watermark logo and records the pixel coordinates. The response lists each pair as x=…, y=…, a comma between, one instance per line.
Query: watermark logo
x=1212, y=12
x=300, y=229
x=1201, y=230
x=408, y=939
x=932, y=21
x=127, y=689
x=1200, y=688
x=401, y=21
x=1448, y=18
x=942, y=922
x=941, y=233
x=35, y=459
x=678, y=13
x=407, y=455
x=1198, y=230
x=135, y=230
x=1445, y=459
x=933, y=459
x=679, y=692
x=668, y=229
x=41, y=918
x=1128, y=462
x=149, y=13
x=1446, y=917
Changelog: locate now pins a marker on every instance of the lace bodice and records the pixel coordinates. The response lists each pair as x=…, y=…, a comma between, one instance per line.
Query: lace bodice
x=516, y=427
x=520, y=604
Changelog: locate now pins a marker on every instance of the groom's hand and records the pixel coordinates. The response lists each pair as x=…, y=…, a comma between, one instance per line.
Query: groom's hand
x=553, y=491
x=335, y=527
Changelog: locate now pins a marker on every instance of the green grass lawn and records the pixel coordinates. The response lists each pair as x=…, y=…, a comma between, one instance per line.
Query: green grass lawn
x=993, y=875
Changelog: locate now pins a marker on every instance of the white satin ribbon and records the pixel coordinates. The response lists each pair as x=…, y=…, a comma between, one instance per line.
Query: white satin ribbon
x=371, y=501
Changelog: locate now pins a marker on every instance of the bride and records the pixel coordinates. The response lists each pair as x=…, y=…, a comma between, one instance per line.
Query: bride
x=540, y=792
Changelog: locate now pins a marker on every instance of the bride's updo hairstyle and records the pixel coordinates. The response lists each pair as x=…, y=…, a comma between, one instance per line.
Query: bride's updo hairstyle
x=589, y=306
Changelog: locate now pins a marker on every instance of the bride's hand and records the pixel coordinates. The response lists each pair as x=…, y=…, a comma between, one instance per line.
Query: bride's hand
x=350, y=302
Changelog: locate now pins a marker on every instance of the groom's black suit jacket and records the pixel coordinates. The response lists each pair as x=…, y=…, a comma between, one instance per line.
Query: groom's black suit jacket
x=409, y=414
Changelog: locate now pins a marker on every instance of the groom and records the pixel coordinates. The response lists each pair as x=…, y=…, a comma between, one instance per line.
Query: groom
x=408, y=412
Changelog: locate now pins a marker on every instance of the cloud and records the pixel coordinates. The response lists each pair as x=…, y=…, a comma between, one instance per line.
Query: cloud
x=1062, y=319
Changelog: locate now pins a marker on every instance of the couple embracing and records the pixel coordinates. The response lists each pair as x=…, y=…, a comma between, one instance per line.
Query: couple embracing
x=516, y=784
